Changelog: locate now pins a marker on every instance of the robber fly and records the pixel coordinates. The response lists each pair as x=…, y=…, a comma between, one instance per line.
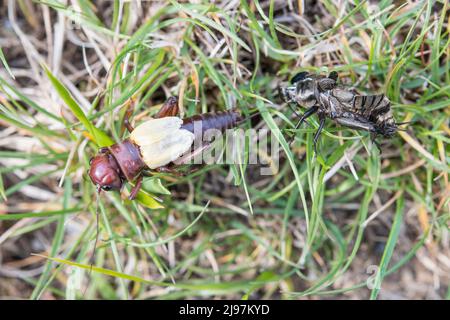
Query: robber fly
x=156, y=144
x=322, y=95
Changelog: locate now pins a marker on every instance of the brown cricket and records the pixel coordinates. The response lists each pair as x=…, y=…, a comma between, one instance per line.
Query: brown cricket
x=156, y=144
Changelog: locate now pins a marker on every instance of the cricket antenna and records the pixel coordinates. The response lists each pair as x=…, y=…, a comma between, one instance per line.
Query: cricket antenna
x=91, y=258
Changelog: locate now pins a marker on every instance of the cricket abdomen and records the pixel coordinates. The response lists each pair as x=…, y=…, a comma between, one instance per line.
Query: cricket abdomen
x=201, y=123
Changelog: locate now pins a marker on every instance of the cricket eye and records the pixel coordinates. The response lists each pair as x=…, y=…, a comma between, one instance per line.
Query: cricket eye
x=106, y=188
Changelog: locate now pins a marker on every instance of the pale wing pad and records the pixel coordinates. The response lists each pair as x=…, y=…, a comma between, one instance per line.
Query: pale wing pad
x=162, y=141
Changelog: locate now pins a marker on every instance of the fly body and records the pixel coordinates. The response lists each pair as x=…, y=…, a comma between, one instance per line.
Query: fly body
x=156, y=144
x=323, y=95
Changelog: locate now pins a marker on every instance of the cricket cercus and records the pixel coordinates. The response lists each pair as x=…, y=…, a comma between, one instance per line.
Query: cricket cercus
x=156, y=144
x=323, y=95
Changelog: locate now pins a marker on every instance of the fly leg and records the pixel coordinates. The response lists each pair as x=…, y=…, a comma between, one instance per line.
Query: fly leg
x=169, y=108
x=306, y=115
x=317, y=135
x=373, y=139
x=136, y=188
x=293, y=109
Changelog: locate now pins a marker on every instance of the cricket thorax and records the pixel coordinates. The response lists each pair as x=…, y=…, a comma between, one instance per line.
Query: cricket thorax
x=128, y=157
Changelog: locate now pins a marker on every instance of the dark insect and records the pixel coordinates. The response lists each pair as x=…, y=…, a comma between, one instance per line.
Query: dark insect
x=157, y=144
x=322, y=95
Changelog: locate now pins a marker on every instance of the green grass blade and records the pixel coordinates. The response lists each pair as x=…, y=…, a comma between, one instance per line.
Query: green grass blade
x=389, y=249
x=43, y=214
x=43, y=281
x=5, y=64
x=99, y=137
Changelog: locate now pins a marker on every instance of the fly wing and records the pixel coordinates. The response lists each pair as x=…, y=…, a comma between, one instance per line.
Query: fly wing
x=161, y=141
x=355, y=123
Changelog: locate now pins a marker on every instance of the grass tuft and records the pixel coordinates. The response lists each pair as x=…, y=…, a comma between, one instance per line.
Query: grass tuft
x=349, y=223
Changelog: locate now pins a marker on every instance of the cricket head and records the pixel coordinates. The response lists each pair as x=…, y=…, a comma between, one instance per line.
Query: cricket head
x=105, y=172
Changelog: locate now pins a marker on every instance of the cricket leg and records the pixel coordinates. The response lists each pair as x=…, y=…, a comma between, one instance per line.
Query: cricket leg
x=173, y=171
x=317, y=135
x=169, y=108
x=306, y=115
x=163, y=169
x=185, y=159
x=136, y=188
x=103, y=150
x=167, y=169
x=127, y=116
